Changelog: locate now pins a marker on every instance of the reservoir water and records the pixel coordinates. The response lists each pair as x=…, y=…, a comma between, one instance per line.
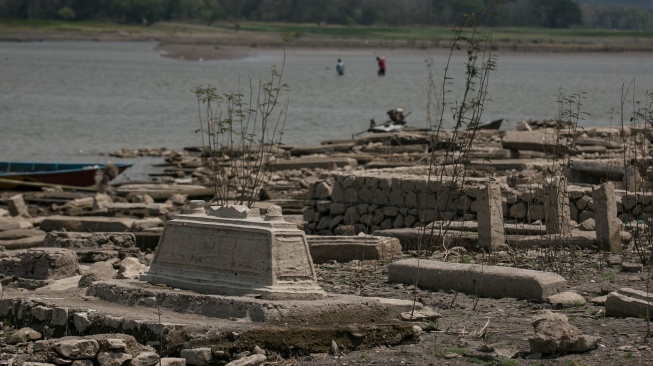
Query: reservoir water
x=74, y=101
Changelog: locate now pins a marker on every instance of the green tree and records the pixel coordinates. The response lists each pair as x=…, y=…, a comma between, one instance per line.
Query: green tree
x=558, y=13
x=211, y=11
x=66, y=13
x=139, y=11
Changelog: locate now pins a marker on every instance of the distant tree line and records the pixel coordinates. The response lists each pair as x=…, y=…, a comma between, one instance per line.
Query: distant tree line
x=620, y=14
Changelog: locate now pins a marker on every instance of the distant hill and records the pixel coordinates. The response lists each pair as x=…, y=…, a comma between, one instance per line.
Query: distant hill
x=644, y=4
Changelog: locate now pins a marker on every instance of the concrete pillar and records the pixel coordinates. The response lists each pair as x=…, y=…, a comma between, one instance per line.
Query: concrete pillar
x=557, y=207
x=632, y=181
x=490, y=217
x=608, y=226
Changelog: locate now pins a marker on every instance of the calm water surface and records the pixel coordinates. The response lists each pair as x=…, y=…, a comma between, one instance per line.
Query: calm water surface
x=73, y=101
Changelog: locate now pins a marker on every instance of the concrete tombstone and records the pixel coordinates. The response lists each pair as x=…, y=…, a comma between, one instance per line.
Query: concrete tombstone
x=231, y=250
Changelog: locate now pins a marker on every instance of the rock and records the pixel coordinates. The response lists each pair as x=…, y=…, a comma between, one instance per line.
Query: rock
x=586, y=343
x=253, y=360
x=82, y=363
x=113, y=358
x=566, y=299
x=554, y=335
x=16, y=206
x=196, y=356
x=425, y=314
x=97, y=272
x=599, y=300
x=588, y=225
x=178, y=199
x=145, y=359
x=22, y=335
x=173, y=361
x=41, y=313
x=78, y=348
x=113, y=322
x=130, y=268
x=59, y=316
x=114, y=344
x=82, y=322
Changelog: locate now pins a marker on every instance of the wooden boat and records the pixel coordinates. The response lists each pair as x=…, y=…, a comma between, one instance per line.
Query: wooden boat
x=21, y=174
x=494, y=125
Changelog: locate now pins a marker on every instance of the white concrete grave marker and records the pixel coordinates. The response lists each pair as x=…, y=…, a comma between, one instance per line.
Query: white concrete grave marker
x=231, y=250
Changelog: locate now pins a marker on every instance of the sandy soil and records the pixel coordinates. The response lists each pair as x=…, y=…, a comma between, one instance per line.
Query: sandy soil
x=229, y=45
x=454, y=339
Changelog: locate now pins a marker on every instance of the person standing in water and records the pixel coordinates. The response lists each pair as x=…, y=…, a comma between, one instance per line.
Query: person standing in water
x=340, y=67
x=381, y=62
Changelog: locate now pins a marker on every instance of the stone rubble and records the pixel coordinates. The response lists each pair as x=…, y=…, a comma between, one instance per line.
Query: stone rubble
x=341, y=191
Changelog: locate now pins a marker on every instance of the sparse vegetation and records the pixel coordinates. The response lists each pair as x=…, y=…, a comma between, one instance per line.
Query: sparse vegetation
x=241, y=136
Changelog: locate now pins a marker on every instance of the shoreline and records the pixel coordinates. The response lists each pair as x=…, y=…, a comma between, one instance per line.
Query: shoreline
x=207, y=47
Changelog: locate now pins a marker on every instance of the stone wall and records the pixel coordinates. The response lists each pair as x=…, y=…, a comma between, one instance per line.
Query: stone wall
x=387, y=199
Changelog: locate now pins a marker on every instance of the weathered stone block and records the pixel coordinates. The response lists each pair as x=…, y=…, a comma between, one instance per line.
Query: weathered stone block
x=489, y=281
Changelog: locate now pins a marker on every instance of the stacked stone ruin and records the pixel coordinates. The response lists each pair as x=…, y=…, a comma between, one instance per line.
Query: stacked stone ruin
x=389, y=199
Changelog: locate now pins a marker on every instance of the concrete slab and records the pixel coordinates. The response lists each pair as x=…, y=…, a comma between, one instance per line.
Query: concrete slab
x=331, y=310
x=186, y=330
x=348, y=248
x=86, y=224
x=138, y=209
x=162, y=192
x=540, y=140
x=10, y=223
x=628, y=302
x=579, y=238
x=487, y=281
x=313, y=162
x=20, y=233
x=24, y=243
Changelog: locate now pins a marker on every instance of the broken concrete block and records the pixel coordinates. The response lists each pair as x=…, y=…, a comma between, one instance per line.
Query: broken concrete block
x=16, y=206
x=628, y=302
x=348, y=248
